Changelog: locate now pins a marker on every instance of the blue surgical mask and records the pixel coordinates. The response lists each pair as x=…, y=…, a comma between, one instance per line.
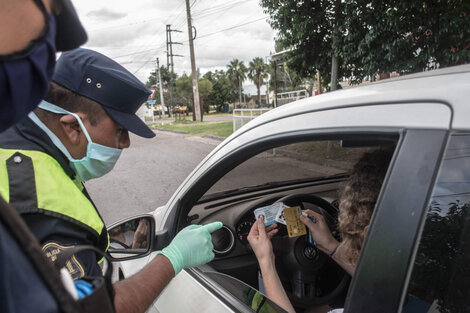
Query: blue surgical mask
x=25, y=76
x=98, y=160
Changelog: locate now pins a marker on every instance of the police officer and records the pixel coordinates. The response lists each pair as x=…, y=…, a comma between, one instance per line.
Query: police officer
x=30, y=33
x=77, y=134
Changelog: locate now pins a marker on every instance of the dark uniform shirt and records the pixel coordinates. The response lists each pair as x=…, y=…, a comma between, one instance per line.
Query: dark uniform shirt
x=21, y=287
x=52, y=232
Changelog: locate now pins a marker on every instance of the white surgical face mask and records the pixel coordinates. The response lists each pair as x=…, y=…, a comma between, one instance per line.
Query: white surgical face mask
x=98, y=160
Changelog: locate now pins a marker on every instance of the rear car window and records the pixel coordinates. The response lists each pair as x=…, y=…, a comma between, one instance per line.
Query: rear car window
x=440, y=280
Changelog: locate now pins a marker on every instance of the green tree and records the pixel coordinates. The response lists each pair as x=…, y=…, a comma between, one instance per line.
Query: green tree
x=257, y=72
x=371, y=36
x=222, y=90
x=168, y=80
x=205, y=89
x=307, y=29
x=237, y=71
x=405, y=36
x=184, y=90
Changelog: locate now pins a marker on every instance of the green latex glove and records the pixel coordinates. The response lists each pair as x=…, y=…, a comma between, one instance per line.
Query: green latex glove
x=192, y=246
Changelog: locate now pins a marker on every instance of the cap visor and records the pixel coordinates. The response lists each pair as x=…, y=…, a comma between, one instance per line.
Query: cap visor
x=131, y=122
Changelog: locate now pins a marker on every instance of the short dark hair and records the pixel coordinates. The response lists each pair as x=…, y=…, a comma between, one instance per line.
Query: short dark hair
x=73, y=102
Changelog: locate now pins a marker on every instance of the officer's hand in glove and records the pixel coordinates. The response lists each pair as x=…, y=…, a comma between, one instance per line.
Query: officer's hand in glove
x=192, y=246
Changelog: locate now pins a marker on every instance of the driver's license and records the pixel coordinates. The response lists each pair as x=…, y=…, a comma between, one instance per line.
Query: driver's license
x=269, y=213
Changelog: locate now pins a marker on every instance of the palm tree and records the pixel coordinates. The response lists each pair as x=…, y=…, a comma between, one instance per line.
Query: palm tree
x=236, y=71
x=257, y=73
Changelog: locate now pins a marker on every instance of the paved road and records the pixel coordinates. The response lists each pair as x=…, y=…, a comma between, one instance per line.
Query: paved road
x=147, y=174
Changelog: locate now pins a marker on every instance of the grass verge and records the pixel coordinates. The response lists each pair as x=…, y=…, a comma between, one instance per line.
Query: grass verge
x=223, y=129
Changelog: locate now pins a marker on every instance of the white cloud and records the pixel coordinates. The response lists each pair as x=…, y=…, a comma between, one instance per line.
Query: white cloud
x=133, y=32
x=106, y=14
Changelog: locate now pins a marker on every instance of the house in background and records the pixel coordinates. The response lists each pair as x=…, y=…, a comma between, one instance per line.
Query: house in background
x=252, y=100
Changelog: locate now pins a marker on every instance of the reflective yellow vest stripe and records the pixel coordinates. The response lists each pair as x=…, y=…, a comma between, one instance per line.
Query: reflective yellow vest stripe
x=55, y=191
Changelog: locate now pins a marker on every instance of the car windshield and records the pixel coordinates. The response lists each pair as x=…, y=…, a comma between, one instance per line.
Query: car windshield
x=289, y=164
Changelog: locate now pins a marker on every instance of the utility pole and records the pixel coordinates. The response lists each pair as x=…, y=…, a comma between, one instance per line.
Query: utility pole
x=267, y=83
x=162, y=102
x=334, y=58
x=170, y=65
x=319, y=82
x=196, y=107
x=275, y=83
x=169, y=47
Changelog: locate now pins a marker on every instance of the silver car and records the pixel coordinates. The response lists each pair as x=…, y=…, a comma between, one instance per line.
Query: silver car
x=416, y=255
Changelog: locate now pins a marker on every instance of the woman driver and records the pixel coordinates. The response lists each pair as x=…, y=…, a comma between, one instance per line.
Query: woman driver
x=357, y=201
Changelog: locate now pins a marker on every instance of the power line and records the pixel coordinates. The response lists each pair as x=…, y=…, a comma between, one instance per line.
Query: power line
x=229, y=28
x=217, y=9
x=140, y=52
x=192, y=4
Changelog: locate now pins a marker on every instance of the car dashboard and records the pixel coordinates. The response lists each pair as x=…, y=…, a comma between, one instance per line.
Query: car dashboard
x=233, y=254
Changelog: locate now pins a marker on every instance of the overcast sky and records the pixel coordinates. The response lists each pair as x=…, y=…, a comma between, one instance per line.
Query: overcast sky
x=133, y=32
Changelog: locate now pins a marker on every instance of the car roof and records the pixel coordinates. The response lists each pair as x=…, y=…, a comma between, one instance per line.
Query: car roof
x=449, y=86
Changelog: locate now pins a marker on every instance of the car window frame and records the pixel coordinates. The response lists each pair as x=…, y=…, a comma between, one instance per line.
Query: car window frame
x=408, y=140
x=388, y=252
x=442, y=169
x=230, y=161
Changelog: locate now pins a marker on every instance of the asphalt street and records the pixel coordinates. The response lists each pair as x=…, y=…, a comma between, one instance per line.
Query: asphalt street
x=147, y=174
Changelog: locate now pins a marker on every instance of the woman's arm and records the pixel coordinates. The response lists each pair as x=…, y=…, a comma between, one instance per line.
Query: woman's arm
x=325, y=240
x=260, y=241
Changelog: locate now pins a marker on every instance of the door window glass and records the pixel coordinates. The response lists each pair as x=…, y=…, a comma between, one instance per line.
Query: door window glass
x=440, y=280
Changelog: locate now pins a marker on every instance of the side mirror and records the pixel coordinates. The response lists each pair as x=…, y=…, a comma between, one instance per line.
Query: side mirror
x=132, y=238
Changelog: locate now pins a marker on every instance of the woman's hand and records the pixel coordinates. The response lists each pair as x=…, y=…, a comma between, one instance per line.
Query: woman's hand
x=260, y=241
x=140, y=236
x=320, y=231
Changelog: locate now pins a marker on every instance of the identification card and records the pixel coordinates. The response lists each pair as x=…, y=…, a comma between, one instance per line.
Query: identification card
x=295, y=227
x=269, y=213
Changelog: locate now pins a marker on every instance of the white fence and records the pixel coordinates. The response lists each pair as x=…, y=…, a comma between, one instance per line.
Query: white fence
x=243, y=116
x=290, y=96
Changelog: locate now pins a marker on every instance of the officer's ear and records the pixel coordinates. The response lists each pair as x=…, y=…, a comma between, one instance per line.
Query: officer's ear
x=71, y=128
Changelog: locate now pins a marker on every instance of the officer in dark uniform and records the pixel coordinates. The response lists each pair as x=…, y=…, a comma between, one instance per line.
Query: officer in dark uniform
x=77, y=134
x=32, y=31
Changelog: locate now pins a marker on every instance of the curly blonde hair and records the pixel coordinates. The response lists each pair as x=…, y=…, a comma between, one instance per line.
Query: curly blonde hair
x=358, y=198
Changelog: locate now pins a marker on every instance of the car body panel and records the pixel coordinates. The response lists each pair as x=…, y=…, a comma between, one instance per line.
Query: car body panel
x=186, y=294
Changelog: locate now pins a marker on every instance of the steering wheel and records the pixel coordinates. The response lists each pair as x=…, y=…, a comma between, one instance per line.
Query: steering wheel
x=309, y=276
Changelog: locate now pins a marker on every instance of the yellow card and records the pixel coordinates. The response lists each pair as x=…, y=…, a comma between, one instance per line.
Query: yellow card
x=294, y=226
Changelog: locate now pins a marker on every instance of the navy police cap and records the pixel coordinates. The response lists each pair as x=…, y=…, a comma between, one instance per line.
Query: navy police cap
x=95, y=76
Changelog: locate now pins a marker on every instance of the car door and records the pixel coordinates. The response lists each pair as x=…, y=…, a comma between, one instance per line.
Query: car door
x=384, y=262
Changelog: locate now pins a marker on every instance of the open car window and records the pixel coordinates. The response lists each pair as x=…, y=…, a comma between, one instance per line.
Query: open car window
x=308, y=174
x=294, y=162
